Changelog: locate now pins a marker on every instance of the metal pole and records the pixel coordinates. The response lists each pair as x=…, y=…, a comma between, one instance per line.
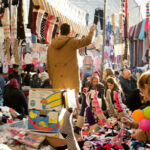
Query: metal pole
x=104, y=29
x=126, y=31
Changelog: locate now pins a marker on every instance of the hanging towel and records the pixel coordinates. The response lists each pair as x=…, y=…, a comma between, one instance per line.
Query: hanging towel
x=142, y=37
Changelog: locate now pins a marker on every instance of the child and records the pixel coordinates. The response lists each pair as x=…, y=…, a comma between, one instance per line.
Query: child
x=144, y=86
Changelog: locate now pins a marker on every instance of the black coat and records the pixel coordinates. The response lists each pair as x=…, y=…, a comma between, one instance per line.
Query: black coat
x=127, y=85
x=133, y=101
x=14, y=98
x=35, y=83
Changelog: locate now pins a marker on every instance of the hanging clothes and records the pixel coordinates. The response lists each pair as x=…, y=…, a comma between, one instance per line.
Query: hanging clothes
x=20, y=20
x=30, y=14
x=98, y=16
x=87, y=19
x=35, y=10
x=88, y=60
x=142, y=37
x=56, y=26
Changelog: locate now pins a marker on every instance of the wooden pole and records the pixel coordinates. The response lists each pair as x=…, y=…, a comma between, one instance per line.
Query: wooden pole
x=104, y=29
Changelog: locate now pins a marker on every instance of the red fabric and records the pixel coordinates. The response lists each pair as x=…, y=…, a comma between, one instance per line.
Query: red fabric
x=147, y=25
x=48, y=28
x=34, y=18
x=84, y=133
x=14, y=84
x=10, y=69
x=126, y=8
x=26, y=94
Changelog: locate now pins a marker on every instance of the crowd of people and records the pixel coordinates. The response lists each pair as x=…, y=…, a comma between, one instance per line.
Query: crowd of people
x=11, y=88
x=124, y=83
x=116, y=95
x=101, y=96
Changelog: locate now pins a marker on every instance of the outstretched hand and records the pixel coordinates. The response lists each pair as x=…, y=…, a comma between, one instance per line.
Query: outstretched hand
x=93, y=28
x=126, y=121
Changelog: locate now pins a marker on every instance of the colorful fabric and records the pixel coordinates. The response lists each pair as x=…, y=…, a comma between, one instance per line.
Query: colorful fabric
x=117, y=101
x=49, y=28
x=43, y=24
x=38, y=21
x=96, y=104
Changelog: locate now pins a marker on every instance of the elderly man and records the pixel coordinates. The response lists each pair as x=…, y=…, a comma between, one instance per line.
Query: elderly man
x=128, y=83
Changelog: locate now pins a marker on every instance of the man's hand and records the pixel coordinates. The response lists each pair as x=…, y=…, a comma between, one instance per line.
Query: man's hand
x=93, y=28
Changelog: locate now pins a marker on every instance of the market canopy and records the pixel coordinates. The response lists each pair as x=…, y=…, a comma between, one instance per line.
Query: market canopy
x=113, y=7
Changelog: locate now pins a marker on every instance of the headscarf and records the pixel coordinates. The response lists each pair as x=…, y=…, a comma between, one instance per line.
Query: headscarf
x=85, y=77
x=99, y=75
x=14, y=83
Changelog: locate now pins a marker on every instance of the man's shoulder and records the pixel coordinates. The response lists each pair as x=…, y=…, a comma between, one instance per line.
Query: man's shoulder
x=121, y=78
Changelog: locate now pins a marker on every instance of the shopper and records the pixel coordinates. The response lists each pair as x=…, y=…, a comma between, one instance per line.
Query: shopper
x=26, y=80
x=128, y=83
x=15, y=74
x=35, y=82
x=46, y=84
x=107, y=73
x=97, y=73
x=2, y=83
x=117, y=75
x=144, y=85
x=43, y=76
x=99, y=87
x=14, y=98
x=87, y=78
x=62, y=62
x=114, y=96
x=1, y=98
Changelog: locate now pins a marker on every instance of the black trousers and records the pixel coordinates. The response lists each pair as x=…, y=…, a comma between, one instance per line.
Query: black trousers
x=99, y=14
x=55, y=29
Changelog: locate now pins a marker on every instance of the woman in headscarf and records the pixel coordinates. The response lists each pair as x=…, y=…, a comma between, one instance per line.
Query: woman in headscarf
x=14, y=98
x=87, y=78
x=97, y=73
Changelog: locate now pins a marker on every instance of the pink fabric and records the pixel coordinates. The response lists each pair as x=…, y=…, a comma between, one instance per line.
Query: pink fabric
x=98, y=109
x=94, y=53
x=41, y=69
x=88, y=60
x=96, y=104
x=35, y=62
x=97, y=63
x=147, y=25
x=14, y=84
x=118, y=102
